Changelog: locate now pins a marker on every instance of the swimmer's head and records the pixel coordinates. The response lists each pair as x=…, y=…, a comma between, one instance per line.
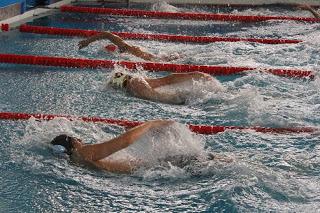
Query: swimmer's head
x=120, y=80
x=63, y=141
x=111, y=48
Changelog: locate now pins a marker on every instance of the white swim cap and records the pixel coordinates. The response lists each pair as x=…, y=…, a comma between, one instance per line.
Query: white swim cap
x=119, y=79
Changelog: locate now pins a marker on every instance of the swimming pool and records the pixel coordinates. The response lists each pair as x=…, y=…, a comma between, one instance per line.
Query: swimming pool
x=270, y=173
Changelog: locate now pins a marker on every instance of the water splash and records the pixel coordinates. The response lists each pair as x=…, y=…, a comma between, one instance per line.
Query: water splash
x=164, y=7
x=193, y=91
x=160, y=150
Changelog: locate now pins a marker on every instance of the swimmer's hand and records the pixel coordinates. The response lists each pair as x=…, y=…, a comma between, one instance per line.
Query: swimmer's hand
x=83, y=44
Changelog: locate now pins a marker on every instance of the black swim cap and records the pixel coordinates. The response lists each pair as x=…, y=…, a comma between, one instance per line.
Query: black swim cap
x=65, y=141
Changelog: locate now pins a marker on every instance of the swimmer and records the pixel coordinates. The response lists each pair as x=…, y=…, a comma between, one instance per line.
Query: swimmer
x=122, y=46
x=146, y=88
x=97, y=154
x=310, y=9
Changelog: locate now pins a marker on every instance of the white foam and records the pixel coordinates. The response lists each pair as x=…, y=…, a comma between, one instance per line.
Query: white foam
x=193, y=90
x=164, y=7
x=158, y=144
x=174, y=140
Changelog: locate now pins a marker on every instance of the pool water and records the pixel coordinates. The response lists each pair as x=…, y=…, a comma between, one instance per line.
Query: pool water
x=269, y=172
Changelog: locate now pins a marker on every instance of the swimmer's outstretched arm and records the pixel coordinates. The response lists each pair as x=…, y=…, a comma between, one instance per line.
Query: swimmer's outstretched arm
x=136, y=51
x=310, y=9
x=96, y=152
x=105, y=35
x=123, y=46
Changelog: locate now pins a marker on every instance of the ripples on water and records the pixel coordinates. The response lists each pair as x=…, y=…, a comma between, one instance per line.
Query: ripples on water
x=268, y=173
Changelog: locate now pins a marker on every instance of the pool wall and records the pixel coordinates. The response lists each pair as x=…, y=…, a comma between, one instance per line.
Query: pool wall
x=41, y=2
x=13, y=21
x=10, y=8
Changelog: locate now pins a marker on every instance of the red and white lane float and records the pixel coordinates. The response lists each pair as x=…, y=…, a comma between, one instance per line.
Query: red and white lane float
x=4, y=27
x=179, y=15
x=148, y=66
x=143, y=36
x=199, y=129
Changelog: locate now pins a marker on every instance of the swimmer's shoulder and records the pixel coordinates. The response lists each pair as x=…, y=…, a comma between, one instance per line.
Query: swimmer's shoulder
x=136, y=81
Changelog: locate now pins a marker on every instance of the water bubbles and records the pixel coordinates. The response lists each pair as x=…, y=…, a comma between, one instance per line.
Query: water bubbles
x=164, y=7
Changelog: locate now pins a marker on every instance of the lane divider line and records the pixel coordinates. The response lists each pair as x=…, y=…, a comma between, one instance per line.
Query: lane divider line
x=179, y=15
x=148, y=66
x=222, y=3
x=143, y=36
x=199, y=129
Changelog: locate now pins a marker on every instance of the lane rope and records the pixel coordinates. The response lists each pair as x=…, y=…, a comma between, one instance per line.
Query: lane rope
x=179, y=15
x=159, y=37
x=5, y=27
x=199, y=129
x=148, y=66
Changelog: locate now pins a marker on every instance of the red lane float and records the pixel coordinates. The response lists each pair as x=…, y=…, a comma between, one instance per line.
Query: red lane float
x=158, y=37
x=47, y=117
x=176, y=15
x=148, y=66
x=199, y=129
x=5, y=27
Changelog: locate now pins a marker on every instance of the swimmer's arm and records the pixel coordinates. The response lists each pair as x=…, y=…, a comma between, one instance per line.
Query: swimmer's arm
x=310, y=9
x=120, y=43
x=95, y=152
x=143, y=90
x=121, y=166
x=136, y=51
x=105, y=35
x=178, y=78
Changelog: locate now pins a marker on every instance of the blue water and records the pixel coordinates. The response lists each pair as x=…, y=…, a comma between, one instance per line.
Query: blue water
x=270, y=173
